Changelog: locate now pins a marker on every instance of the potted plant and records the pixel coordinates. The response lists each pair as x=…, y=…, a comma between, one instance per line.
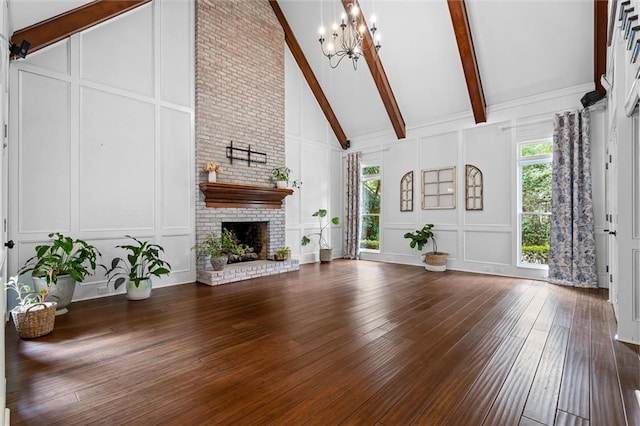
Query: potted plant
x=142, y=261
x=435, y=260
x=60, y=265
x=32, y=316
x=325, y=250
x=281, y=176
x=212, y=169
x=219, y=248
x=282, y=253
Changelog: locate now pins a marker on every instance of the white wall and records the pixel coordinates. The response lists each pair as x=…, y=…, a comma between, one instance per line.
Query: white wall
x=315, y=156
x=101, y=139
x=478, y=241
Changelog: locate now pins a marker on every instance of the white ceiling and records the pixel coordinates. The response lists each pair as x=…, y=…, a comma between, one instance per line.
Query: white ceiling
x=523, y=48
x=23, y=13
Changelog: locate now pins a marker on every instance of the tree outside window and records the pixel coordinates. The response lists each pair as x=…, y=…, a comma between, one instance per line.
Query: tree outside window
x=535, y=202
x=370, y=209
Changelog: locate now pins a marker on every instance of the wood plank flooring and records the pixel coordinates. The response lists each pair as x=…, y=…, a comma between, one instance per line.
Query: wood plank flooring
x=351, y=343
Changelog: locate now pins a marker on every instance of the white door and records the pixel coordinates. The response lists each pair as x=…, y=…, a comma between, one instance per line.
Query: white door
x=626, y=225
x=611, y=185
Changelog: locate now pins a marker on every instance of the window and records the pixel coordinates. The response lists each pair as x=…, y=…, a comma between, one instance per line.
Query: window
x=370, y=209
x=534, y=188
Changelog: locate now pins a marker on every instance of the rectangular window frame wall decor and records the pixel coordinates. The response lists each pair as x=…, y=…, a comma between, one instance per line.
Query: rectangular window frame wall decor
x=439, y=188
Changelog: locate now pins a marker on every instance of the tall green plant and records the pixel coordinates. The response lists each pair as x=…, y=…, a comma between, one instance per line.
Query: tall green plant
x=143, y=261
x=421, y=237
x=320, y=214
x=64, y=256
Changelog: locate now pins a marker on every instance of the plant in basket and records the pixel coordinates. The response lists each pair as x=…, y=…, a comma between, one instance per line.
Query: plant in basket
x=32, y=317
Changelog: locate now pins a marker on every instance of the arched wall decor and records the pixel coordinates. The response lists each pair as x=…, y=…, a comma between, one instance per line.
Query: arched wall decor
x=473, y=187
x=406, y=192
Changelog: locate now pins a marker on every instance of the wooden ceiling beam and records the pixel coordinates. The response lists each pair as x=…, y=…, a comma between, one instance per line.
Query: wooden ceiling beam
x=312, y=81
x=600, y=22
x=460, y=21
x=49, y=31
x=380, y=77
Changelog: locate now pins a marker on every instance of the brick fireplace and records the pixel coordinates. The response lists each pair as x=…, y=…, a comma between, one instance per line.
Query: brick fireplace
x=239, y=98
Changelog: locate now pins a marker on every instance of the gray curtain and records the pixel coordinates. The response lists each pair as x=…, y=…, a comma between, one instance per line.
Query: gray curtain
x=572, y=251
x=352, y=210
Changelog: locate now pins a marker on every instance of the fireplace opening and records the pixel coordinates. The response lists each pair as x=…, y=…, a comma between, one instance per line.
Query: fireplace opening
x=252, y=236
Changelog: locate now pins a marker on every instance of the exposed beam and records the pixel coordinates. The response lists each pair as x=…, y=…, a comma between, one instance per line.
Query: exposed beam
x=600, y=10
x=380, y=77
x=66, y=24
x=458, y=12
x=312, y=81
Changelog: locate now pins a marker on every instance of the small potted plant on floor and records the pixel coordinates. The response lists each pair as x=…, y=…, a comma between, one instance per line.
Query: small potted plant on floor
x=219, y=248
x=59, y=265
x=325, y=249
x=282, y=253
x=435, y=260
x=142, y=261
x=281, y=176
x=33, y=316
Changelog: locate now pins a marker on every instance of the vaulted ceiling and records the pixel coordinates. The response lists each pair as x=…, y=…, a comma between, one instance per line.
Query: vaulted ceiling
x=522, y=49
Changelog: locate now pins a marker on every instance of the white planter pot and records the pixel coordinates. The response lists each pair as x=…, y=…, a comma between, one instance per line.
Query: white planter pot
x=141, y=292
x=61, y=292
x=281, y=184
x=213, y=177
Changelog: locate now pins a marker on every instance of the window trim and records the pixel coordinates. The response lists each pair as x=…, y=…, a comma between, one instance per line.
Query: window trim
x=520, y=163
x=363, y=179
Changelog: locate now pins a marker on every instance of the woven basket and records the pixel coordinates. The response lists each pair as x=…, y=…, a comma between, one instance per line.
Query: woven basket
x=439, y=259
x=36, y=321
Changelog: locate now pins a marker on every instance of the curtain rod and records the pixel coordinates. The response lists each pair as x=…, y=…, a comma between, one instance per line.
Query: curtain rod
x=596, y=107
x=371, y=151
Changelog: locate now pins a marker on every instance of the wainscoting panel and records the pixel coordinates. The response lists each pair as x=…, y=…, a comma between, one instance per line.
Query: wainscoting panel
x=127, y=39
x=487, y=247
x=177, y=72
x=43, y=147
x=176, y=173
x=116, y=162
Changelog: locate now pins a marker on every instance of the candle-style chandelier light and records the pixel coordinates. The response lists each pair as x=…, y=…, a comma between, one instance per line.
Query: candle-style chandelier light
x=347, y=40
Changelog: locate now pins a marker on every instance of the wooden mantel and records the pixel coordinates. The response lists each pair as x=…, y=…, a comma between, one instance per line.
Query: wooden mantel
x=232, y=195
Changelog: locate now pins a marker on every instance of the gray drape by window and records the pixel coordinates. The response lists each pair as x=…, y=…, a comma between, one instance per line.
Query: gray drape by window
x=572, y=250
x=352, y=207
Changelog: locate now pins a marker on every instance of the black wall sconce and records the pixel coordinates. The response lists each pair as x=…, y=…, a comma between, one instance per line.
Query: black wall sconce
x=20, y=51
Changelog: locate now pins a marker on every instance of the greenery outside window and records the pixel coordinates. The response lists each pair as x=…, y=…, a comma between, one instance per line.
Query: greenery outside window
x=370, y=209
x=534, y=206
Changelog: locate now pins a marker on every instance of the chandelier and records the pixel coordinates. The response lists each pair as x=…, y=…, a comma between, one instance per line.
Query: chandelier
x=347, y=38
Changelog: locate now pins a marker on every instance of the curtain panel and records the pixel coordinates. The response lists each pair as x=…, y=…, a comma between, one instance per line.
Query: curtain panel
x=352, y=209
x=572, y=249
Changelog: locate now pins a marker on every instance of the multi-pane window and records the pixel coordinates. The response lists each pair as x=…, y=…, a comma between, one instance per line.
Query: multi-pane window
x=534, y=171
x=370, y=210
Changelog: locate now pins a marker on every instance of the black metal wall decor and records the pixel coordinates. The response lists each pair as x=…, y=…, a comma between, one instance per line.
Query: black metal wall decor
x=246, y=155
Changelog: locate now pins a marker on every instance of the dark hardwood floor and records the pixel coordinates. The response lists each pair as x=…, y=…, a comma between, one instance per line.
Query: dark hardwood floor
x=352, y=343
